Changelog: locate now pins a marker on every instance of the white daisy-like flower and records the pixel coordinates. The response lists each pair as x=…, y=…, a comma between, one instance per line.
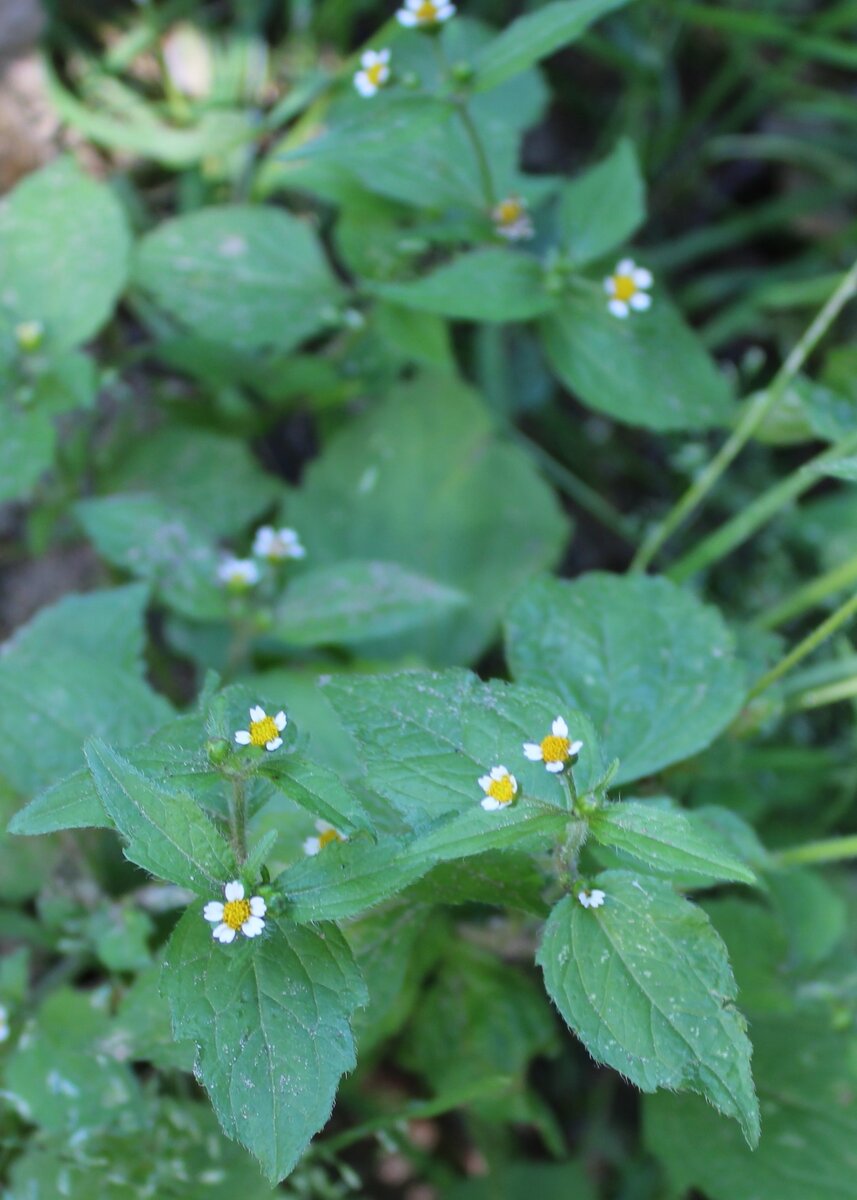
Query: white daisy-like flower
x=4, y=1023
x=276, y=544
x=626, y=288
x=591, y=899
x=500, y=788
x=326, y=835
x=555, y=750
x=264, y=730
x=239, y=574
x=374, y=72
x=29, y=335
x=424, y=13
x=237, y=913
x=512, y=219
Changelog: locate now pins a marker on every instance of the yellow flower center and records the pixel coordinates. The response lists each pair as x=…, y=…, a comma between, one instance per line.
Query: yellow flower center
x=328, y=836
x=509, y=211
x=427, y=11
x=555, y=749
x=624, y=287
x=262, y=732
x=501, y=790
x=235, y=913
x=375, y=75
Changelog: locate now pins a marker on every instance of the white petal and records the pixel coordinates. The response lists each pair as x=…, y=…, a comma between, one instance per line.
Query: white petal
x=252, y=927
x=406, y=18
x=213, y=911
x=312, y=847
x=626, y=266
x=485, y=782
x=323, y=826
x=514, y=784
x=383, y=56
x=299, y=551
x=257, y=713
x=364, y=84
x=596, y=898
x=575, y=747
x=584, y=899
x=242, y=737
x=532, y=751
x=281, y=721
x=258, y=907
x=368, y=59
x=274, y=743
x=554, y=767
x=559, y=728
x=643, y=279
x=234, y=890
x=223, y=933
x=499, y=772
x=609, y=285
x=490, y=804
x=640, y=301
x=618, y=308
x=446, y=12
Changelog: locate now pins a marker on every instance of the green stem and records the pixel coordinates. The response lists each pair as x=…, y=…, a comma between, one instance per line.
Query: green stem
x=809, y=595
x=814, y=639
x=753, y=416
x=820, y=697
x=764, y=508
x=238, y=820
x=482, y=164
x=581, y=493
x=830, y=850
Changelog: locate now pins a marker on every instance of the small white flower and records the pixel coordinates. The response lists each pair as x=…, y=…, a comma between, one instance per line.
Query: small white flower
x=500, y=788
x=626, y=288
x=276, y=544
x=555, y=750
x=237, y=913
x=593, y=899
x=264, y=730
x=29, y=335
x=239, y=574
x=4, y=1023
x=374, y=72
x=512, y=220
x=424, y=12
x=326, y=835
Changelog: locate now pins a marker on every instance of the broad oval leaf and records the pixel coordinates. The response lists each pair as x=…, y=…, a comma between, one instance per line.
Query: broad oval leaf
x=602, y=208
x=655, y=669
x=649, y=369
x=248, y=277
x=270, y=1020
x=671, y=841
x=645, y=983
x=64, y=246
x=493, y=284
x=353, y=601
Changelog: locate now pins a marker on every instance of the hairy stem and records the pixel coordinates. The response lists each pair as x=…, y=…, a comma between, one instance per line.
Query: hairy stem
x=238, y=820
x=753, y=416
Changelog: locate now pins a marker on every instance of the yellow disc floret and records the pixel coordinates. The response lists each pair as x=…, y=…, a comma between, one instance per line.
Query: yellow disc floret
x=327, y=836
x=502, y=790
x=262, y=732
x=508, y=211
x=427, y=11
x=555, y=749
x=624, y=287
x=235, y=913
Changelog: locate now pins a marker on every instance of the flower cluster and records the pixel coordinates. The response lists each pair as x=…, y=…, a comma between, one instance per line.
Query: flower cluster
x=374, y=72
x=424, y=13
x=627, y=288
x=512, y=219
x=264, y=730
x=555, y=750
x=593, y=898
x=236, y=914
x=269, y=544
x=326, y=835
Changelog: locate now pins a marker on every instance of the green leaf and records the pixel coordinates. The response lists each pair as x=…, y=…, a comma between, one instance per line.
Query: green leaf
x=153, y=541
x=270, y=1018
x=806, y=1071
x=523, y=1180
x=75, y=670
x=425, y=739
x=318, y=789
x=422, y=480
x=602, y=208
x=185, y=468
x=398, y=121
x=501, y=878
x=644, y=981
x=493, y=284
x=26, y=452
x=347, y=878
x=353, y=601
x=64, y=245
x=244, y=276
x=167, y=832
x=534, y=36
x=649, y=369
x=655, y=669
x=671, y=841
x=524, y=823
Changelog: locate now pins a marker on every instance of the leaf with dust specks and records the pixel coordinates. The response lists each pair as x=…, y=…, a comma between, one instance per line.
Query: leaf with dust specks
x=270, y=1019
x=645, y=983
